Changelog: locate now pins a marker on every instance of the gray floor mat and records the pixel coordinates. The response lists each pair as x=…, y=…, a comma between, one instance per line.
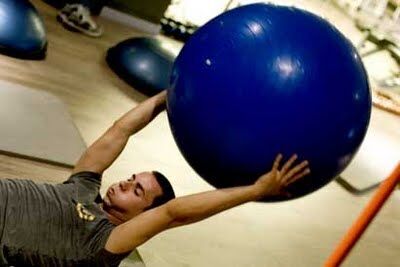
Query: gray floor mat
x=37, y=125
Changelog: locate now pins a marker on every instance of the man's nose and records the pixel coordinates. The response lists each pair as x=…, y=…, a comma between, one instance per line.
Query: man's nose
x=125, y=185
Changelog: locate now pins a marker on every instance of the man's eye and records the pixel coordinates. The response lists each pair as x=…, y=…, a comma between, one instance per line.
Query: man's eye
x=137, y=192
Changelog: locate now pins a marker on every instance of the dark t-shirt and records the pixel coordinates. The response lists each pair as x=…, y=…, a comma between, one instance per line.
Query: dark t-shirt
x=42, y=224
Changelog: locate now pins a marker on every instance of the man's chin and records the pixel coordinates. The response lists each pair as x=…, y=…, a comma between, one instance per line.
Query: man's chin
x=106, y=203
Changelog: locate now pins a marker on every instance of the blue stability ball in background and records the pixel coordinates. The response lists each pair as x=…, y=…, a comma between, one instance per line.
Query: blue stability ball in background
x=261, y=80
x=144, y=63
x=22, y=32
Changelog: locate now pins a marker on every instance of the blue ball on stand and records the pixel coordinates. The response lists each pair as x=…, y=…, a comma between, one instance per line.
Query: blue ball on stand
x=22, y=31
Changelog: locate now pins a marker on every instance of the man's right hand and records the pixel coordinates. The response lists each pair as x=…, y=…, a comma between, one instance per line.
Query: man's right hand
x=275, y=182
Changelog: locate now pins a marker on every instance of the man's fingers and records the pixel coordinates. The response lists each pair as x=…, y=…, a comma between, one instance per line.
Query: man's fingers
x=287, y=165
x=296, y=177
x=277, y=162
x=298, y=168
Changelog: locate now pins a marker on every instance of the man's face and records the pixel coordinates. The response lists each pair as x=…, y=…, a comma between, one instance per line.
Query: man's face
x=130, y=197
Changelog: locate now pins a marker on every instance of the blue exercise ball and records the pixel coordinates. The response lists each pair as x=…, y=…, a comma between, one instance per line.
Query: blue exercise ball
x=263, y=79
x=22, y=31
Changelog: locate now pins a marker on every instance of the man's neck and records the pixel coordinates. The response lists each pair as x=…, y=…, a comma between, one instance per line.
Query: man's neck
x=112, y=218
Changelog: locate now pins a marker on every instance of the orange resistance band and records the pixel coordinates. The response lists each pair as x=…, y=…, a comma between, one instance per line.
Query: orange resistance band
x=369, y=212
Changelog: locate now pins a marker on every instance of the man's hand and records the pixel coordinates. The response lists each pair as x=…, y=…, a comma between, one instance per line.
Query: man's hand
x=274, y=183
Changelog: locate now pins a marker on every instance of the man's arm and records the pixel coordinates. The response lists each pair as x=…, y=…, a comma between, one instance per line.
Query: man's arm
x=102, y=153
x=193, y=208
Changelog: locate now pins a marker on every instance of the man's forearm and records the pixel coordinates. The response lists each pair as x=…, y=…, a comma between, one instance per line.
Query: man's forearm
x=193, y=208
x=138, y=117
x=102, y=153
x=177, y=212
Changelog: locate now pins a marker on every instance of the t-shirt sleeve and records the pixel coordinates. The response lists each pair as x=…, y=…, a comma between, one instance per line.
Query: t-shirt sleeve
x=109, y=259
x=87, y=184
x=85, y=177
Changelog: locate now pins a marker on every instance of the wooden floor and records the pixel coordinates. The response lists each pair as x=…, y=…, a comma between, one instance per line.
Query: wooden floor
x=296, y=233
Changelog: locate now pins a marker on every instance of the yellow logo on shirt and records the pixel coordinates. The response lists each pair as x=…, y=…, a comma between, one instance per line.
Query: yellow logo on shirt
x=83, y=213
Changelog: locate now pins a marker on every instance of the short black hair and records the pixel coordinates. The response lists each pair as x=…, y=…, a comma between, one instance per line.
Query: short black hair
x=167, y=191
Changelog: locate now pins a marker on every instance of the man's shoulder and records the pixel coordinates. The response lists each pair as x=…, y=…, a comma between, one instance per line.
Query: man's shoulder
x=86, y=178
x=87, y=185
x=82, y=175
